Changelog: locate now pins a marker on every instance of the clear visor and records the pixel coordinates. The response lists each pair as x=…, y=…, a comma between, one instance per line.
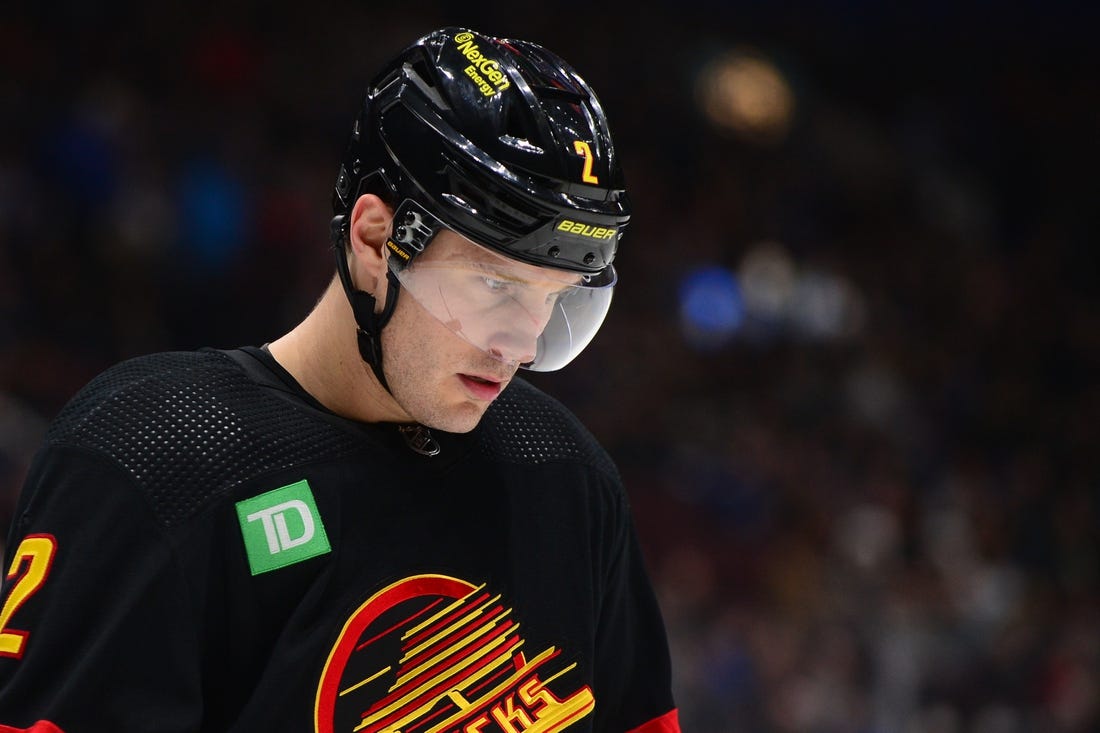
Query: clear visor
x=537, y=317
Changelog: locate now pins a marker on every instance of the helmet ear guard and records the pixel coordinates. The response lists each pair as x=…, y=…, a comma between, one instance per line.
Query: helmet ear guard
x=413, y=228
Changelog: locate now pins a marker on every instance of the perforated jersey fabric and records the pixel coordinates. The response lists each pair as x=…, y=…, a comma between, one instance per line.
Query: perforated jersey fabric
x=525, y=426
x=190, y=425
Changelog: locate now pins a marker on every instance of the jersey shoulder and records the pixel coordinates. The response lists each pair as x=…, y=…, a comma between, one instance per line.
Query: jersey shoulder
x=187, y=426
x=526, y=425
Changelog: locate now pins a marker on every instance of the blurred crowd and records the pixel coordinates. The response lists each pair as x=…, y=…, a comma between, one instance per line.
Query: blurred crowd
x=886, y=523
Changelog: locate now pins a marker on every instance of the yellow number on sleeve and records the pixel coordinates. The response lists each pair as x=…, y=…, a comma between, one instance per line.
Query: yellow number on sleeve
x=586, y=152
x=36, y=551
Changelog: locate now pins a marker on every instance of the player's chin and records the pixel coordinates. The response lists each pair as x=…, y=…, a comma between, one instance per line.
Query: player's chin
x=460, y=418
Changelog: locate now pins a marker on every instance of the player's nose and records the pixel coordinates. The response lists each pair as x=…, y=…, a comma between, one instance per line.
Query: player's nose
x=517, y=343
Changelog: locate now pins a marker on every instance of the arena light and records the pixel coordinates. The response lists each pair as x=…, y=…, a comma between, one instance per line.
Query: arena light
x=711, y=307
x=769, y=279
x=783, y=296
x=744, y=92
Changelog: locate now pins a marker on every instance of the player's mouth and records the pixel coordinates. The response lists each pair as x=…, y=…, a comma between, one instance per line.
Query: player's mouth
x=481, y=387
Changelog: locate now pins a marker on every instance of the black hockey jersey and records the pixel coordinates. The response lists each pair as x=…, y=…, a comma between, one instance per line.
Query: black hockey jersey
x=200, y=546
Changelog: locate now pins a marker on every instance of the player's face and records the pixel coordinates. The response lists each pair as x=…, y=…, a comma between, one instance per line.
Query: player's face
x=454, y=345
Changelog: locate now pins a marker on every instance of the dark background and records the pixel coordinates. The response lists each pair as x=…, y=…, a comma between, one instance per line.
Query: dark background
x=850, y=376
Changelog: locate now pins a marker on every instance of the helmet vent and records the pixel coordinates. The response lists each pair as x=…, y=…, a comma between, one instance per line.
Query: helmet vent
x=420, y=74
x=516, y=128
x=558, y=94
x=521, y=144
x=461, y=203
x=420, y=68
x=484, y=195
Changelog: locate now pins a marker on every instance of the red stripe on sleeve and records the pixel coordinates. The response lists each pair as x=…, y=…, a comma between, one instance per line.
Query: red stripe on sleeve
x=667, y=723
x=42, y=726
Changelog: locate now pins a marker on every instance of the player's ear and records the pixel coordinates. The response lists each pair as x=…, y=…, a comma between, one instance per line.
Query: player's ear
x=371, y=220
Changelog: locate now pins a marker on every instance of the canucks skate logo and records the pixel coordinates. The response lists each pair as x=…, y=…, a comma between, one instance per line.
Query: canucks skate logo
x=430, y=654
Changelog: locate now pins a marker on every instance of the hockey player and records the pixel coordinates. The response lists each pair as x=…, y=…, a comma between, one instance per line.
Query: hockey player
x=370, y=524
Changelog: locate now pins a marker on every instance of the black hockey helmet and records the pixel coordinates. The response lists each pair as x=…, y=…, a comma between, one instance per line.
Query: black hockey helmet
x=499, y=140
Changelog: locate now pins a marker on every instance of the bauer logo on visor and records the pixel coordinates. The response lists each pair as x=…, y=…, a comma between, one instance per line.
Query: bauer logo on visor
x=537, y=317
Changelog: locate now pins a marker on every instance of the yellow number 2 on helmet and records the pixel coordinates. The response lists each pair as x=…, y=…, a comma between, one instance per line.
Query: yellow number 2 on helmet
x=585, y=152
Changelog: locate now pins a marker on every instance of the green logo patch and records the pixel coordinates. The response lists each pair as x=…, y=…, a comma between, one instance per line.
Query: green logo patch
x=282, y=527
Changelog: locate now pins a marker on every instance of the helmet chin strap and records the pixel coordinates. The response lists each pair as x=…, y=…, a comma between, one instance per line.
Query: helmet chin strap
x=369, y=323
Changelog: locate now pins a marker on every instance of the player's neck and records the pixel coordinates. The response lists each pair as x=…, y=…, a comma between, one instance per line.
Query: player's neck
x=322, y=354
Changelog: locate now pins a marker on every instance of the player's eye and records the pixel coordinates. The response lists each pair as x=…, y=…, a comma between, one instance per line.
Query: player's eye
x=495, y=285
